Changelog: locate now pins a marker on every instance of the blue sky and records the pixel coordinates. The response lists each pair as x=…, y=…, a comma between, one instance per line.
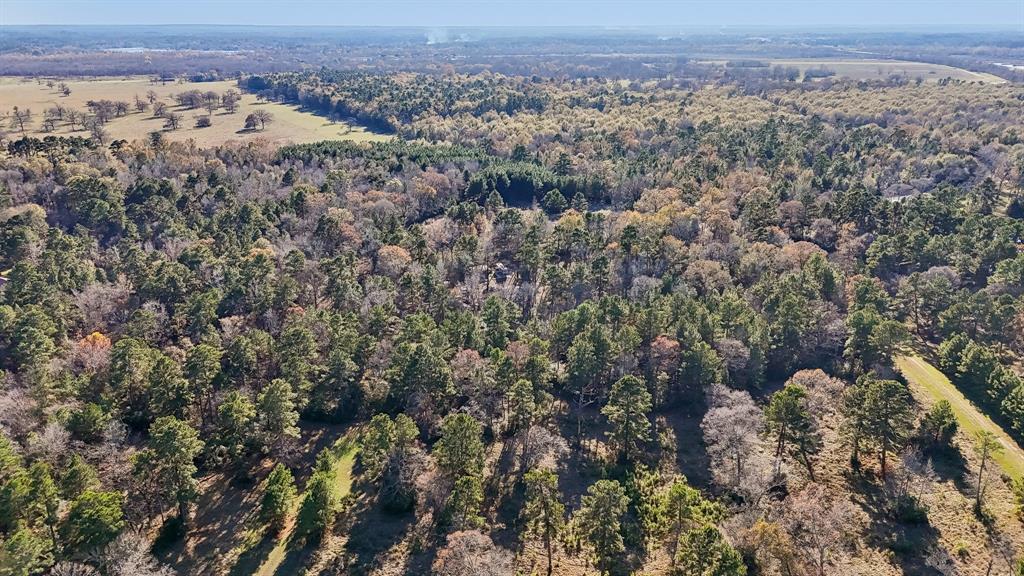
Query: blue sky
x=901, y=14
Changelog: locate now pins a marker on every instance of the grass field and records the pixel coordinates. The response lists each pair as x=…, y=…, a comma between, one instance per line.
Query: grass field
x=927, y=381
x=285, y=557
x=882, y=69
x=290, y=124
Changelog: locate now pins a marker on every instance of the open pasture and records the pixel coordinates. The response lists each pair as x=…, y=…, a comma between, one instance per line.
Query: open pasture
x=290, y=124
x=874, y=69
x=882, y=69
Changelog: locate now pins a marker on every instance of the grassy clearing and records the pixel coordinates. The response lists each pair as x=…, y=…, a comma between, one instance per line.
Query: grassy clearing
x=290, y=123
x=284, y=557
x=927, y=380
x=882, y=69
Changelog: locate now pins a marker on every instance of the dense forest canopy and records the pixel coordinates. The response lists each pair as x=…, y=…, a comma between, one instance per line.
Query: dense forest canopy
x=573, y=325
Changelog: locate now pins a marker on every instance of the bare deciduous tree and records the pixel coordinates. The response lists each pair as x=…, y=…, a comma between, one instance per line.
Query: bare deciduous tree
x=471, y=553
x=172, y=120
x=73, y=569
x=19, y=118
x=98, y=133
x=74, y=118
x=731, y=432
x=129, y=555
x=819, y=525
x=230, y=100
x=540, y=447
x=259, y=118
x=51, y=444
x=824, y=393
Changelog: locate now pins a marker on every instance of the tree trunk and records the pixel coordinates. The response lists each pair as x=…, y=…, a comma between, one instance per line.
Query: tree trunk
x=547, y=548
x=183, y=507
x=809, y=465
x=981, y=475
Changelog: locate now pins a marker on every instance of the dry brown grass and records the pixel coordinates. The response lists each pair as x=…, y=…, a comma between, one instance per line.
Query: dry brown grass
x=290, y=125
x=952, y=525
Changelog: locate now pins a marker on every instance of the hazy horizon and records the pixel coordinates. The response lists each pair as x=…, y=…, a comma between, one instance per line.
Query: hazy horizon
x=911, y=15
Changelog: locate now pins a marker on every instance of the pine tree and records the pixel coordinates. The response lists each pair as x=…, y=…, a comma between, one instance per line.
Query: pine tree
x=170, y=394
x=463, y=506
x=579, y=203
x=460, y=450
x=522, y=405
x=235, y=417
x=600, y=522
x=10, y=460
x=93, y=520
x=889, y=411
x=704, y=552
x=682, y=510
x=788, y=420
x=554, y=202
x=319, y=506
x=544, y=512
x=278, y=497
x=381, y=438
x=626, y=410
x=202, y=366
x=170, y=460
x=276, y=413
x=986, y=445
x=938, y=425
x=78, y=477
x=23, y=553
x=15, y=496
x=45, y=500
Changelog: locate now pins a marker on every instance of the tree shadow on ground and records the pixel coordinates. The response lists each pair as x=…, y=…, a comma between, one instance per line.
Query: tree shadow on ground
x=691, y=453
x=504, y=495
x=222, y=512
x=949, y=464
x=254, y=557
x=914, y=544
x=297, y=554
x=371, y=533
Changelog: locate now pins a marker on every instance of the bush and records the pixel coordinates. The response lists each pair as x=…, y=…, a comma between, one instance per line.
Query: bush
x=554, y=202
x=88, y=423
x=93, y=521
x=171, y=531
x=939, y=424
x=910, y=510
x=1016, y=208
x=203, y=122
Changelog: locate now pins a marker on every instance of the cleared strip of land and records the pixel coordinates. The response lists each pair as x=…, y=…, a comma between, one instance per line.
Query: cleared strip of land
x=342, y=456
x=875, y=69
x=930, y=385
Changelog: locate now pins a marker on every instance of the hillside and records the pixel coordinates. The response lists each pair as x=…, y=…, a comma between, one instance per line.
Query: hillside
x=549, y=325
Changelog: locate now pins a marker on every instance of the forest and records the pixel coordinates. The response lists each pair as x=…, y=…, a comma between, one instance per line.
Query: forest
x=559, y=324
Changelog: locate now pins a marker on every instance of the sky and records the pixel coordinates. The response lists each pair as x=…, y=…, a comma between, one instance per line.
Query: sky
x=942, y=15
